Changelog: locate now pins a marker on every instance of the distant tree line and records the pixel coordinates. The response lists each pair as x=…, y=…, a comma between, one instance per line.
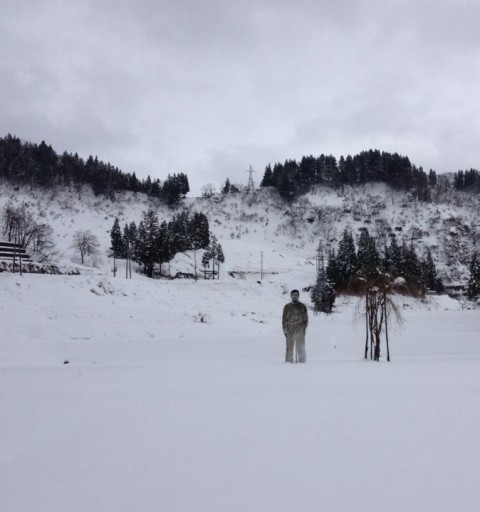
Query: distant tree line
x=153, y=243
x=349, y=263
x=293, y=178
x=468, y=181
x=38, y=165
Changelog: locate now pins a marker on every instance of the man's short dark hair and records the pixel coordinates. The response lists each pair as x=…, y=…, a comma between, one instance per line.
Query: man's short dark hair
x=294, y=291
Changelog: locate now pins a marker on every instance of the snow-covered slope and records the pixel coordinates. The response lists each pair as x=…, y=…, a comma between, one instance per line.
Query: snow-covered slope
x=145, y=394
x=287, y=235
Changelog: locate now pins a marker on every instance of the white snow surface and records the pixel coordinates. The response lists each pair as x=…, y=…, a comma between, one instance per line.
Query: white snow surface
x=176, y=396
x=159, y=411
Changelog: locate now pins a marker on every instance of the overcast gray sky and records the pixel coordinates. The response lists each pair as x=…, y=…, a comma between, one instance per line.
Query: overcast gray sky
x=209, y=87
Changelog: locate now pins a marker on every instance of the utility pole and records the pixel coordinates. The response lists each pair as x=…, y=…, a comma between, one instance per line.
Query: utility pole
x=250, y=185
x=128, y=265
x=319, y=259
x=261, y=266
x=14, y=248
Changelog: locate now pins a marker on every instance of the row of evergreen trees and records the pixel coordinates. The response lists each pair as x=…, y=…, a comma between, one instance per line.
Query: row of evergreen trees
x=24, y=163
x=152, y=242
x=349, y=262
x=468, y=181
x=292, y=179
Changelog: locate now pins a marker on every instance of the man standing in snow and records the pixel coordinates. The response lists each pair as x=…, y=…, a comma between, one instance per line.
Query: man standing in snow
x=294, y=323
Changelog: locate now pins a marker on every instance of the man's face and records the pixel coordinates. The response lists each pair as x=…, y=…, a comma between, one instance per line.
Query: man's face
x=295, y=297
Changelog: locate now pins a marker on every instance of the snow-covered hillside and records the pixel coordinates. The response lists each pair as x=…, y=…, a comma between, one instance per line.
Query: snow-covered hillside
x=287, y=235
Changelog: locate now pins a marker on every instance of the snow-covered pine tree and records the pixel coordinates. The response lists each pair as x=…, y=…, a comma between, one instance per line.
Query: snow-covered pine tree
x=214, y=254
x=429, y=273
x=267, y=180
x=178, y=233
x=146, y=246
x=199, y=235
x=333, y=270
x=392, y=261
x=346, y=260
x=410, y=268
x=199, y=231
x=118, y=246
x=368, y=258
x=323, y=293
x=132, y=237
x=226, y=187
x=165, y=248
x=220, y=258
x=473, y=286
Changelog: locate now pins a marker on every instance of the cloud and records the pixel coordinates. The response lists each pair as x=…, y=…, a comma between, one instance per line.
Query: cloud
x=161, y=87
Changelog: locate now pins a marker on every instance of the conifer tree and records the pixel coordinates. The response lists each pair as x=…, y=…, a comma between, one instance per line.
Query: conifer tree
x=156, y=190
x=268, y=179
x=226, y=187
x=346, y=260
x=392, y=261
x=199, y=231
x=429, y=273
x=214, y=254
x=220, y=259
x=118, y=246
x=333, y=269
x=179, y=230
x=147, y=186
x=473, y=285
x=165, y=247
x=410, y=268
x=199, y=235
x=130, y=233
x=183, y=185
x=146, y=246
x=307, y=173
x=134, y=183
x=323, y=293
x=175, y=187
x=368, y=258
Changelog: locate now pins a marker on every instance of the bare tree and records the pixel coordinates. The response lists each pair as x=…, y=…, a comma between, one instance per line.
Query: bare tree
x=208, y=190
x=86, y=243
x=42, y=245
x=20, y=227
x=378, y=308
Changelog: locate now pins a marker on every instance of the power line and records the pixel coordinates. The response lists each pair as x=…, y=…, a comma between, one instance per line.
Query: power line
x=250, y=185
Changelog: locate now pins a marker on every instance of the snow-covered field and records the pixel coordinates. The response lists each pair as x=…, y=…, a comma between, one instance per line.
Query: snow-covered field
x=176, y=398
x=169, y=395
